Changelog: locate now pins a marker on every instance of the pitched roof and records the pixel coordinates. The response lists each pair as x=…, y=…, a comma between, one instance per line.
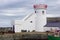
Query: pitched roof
x=52, y=24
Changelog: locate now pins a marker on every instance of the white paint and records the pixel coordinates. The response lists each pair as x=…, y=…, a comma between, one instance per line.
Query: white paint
x=38, y=21
x=49, y=28
x=25, y=24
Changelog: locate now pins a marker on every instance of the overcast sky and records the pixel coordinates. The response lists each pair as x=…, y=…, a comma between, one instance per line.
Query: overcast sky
x=18, y=9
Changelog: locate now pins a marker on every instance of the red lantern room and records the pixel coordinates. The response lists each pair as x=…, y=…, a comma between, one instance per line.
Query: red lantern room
x=40, y=6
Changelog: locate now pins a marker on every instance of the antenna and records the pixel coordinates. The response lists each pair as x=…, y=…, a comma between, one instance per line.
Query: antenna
x=37, y=1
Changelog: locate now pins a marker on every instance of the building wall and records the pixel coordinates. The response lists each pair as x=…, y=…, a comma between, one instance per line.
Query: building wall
x=33, y=22
x=27, y=24
x=40, y=20
x=49, y=28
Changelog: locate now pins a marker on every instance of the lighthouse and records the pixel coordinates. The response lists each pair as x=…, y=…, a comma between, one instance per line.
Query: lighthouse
x=33, y=21
x=40, y=19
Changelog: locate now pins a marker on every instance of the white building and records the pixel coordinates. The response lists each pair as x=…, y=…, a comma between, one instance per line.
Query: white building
x=53, y=23
x=34, y=21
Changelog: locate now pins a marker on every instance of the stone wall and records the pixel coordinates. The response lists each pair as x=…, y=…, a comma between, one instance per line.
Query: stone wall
x=23, y=36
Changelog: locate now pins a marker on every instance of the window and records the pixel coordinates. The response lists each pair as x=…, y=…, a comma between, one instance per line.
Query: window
x=42, y=12
x=35, y=11
x=30, y=21
x=23, y=30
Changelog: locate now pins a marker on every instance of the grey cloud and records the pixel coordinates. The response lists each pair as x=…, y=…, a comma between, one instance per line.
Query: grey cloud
x=53, y=8
x=26, y=3
x=12, y=17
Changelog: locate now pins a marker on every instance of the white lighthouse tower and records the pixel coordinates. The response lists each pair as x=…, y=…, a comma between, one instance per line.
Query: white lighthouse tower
x=40, y=20
x=33, y=21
